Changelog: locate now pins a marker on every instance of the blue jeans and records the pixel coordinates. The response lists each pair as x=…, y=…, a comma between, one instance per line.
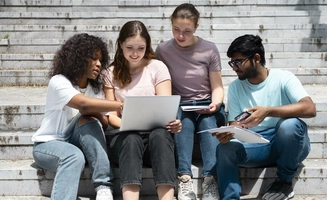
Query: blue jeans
x=184, y=141
x=131, y=150
x=67, y=159
x=289, y=145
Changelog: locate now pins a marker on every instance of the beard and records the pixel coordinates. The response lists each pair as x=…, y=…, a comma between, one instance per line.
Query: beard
x=249, y=73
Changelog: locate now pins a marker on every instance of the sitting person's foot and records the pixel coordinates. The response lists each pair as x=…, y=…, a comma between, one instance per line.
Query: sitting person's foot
x=185, y=188
x=279, y=190
x=103, y=193
x=210, y=189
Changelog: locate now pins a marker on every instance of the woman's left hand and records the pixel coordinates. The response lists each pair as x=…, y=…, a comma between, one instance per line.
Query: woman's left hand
x=212, y=108
x=175, y=126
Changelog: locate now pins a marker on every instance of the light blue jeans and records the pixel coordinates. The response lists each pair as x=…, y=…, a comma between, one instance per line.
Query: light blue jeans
x=289, y=145
x=184, y=141
x=67, y=159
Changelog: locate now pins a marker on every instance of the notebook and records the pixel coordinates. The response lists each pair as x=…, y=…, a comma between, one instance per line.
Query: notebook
x=144, y=113
x=243, y=135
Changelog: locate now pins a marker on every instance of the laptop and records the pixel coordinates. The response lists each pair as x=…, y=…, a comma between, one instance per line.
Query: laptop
x=143, y=113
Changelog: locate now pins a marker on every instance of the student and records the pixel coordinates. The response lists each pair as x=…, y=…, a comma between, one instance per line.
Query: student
x=135, y=71
x=276, y=99
x=66, y=138
x=195, y=68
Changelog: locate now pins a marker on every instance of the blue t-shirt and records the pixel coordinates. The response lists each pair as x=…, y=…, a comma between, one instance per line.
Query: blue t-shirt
x=280, y=88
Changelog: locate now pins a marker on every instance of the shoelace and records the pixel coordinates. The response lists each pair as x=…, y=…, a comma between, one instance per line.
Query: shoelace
x=186, y=187
x=210, y=188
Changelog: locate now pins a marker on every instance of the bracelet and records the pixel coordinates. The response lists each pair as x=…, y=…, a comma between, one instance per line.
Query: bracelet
x=121, y=106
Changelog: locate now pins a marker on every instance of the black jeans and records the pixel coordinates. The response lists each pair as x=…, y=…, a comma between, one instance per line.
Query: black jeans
x=130, y=150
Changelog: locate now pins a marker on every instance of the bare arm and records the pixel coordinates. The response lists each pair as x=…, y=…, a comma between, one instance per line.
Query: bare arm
x=217, y=93
x=93, y=105
x=304, y=108
x=163, y=88
x=114, y=119
x=217, y=88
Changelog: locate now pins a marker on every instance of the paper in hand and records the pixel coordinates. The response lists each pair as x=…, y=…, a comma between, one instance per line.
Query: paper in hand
x=194, y=108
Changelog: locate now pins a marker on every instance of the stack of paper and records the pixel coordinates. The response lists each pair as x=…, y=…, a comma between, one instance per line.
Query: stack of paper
x=242, y=134
x=194, y=108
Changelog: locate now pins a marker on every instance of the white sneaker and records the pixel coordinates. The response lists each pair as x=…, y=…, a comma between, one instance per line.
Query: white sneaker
x=210, y=189
x=185, y=188
x=103, y=193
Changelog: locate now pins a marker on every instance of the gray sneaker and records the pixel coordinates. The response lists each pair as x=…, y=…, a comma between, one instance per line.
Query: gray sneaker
x=210, y=189
x=185, y=188
x=279, y=190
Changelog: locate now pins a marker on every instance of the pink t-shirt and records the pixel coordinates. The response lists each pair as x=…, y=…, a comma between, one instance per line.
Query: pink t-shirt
x=142, y=84
x=189, y=67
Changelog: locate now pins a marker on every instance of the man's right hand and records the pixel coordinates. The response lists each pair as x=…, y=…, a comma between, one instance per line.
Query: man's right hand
x=223, y=137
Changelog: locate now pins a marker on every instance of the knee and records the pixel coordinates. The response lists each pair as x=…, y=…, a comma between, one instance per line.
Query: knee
x=75, y=158
x=160, y=134
x=227, y=151
x=132, y=140
x=85, y=118
x=288, y=127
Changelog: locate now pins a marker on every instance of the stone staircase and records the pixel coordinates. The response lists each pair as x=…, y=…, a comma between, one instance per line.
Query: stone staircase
x=294, y=33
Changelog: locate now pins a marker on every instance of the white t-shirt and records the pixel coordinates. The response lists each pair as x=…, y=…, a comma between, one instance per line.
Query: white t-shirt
x=57, y=115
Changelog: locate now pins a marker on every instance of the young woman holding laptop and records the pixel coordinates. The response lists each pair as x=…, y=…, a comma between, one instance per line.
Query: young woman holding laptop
x=136, y=72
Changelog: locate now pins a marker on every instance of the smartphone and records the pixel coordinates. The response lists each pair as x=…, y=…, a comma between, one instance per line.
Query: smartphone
x=242, y=116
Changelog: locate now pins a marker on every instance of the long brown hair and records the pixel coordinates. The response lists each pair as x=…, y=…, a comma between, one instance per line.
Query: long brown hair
x=129, y=29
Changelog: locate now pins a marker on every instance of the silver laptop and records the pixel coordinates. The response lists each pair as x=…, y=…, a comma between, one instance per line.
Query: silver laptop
x=144, y=113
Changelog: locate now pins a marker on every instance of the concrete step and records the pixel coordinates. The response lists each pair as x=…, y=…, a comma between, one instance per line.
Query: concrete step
x=153, y=197
x=17, y=145
x=36, y=47
x=214, y=28
x=23, y=107
x=298, y=62
x=33, y=181
x=168, y=3
x=40, y=77
x=209, y=12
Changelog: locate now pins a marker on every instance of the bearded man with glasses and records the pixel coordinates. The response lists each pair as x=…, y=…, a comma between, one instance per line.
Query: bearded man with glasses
x=276, y=100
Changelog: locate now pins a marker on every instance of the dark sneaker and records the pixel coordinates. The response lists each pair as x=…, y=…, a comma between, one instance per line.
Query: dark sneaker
x=210, y=189
x=279, y=190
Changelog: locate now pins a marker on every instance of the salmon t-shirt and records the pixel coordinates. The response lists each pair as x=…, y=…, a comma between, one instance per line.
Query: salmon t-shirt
x=142, y=84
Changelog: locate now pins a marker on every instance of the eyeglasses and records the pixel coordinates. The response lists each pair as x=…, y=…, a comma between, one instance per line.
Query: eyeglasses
x=238, y=63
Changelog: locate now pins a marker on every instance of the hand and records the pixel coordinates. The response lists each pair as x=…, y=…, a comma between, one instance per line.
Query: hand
x=212, y=108
x=223, y=137
x=175, y=126
x=259, y=113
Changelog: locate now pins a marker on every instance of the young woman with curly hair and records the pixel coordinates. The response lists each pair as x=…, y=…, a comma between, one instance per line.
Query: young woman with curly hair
x=72, y=131
x=135, y=71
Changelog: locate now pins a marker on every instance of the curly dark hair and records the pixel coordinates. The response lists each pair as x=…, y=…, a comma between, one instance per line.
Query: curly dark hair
x=72, y=59
x=129, y=29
